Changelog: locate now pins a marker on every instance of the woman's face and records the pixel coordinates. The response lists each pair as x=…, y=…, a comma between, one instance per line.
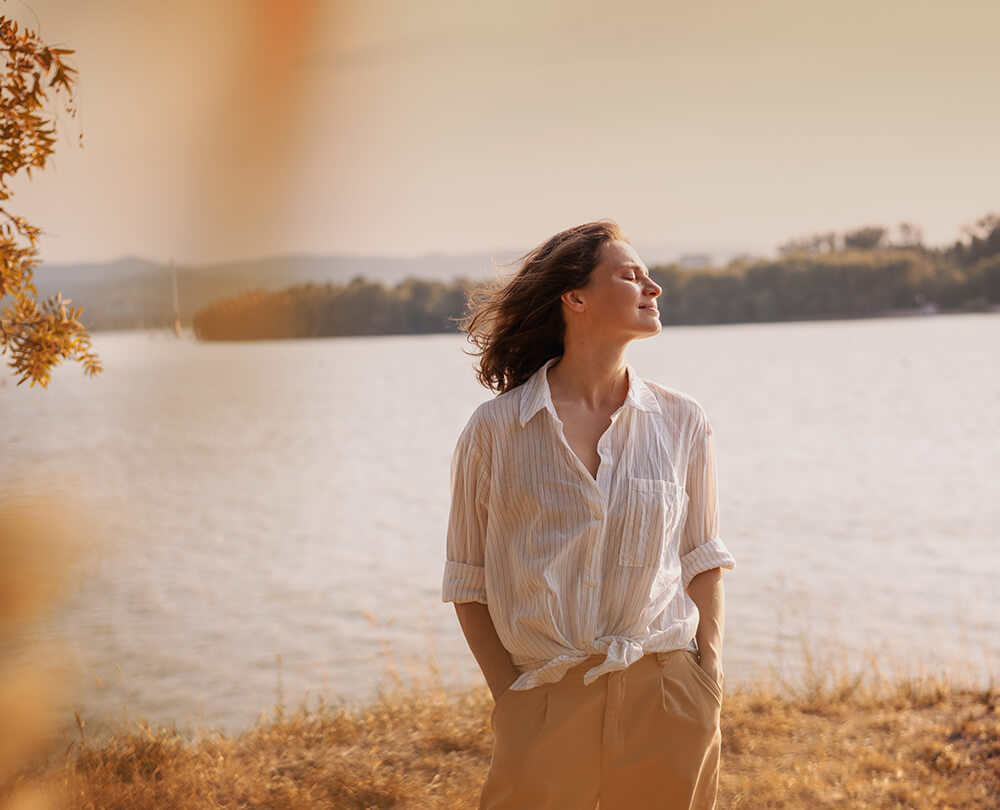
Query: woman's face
x=620, y=297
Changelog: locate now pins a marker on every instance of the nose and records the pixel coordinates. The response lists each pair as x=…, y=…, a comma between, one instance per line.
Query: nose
x=653, y=289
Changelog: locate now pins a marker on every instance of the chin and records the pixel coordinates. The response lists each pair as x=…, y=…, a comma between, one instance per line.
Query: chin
x=649, y=332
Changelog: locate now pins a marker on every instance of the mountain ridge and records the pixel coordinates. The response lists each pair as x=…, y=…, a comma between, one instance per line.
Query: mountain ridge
x=134, y=292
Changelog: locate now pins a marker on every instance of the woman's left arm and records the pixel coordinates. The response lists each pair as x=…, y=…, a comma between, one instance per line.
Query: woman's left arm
x=706, y=591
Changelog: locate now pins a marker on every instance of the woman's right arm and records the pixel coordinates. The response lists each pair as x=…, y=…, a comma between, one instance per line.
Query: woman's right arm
x=491, y=655
x=465, y=569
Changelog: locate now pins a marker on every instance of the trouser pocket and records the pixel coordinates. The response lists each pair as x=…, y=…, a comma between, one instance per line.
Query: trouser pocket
x=707, y=680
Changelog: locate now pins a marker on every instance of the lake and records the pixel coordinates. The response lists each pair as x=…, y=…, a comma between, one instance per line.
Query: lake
x=268, y=519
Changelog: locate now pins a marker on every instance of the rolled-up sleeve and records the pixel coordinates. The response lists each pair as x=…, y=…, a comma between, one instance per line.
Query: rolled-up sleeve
x=464, y=571
x=701, y=547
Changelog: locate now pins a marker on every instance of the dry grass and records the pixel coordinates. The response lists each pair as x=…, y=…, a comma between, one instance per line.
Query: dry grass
x=911, y=744
x=824, y=742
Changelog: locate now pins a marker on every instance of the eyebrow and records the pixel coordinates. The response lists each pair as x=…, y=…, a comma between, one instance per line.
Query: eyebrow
x=632, y=266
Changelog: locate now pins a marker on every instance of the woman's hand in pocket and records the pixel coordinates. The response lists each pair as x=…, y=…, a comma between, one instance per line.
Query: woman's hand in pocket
x=500, y=692
x=713, y=667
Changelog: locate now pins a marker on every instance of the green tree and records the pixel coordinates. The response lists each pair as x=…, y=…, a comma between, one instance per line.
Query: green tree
x=825, y=242
x=910, y=235
x=35, y=337
x=984, y=238
x=868, y=238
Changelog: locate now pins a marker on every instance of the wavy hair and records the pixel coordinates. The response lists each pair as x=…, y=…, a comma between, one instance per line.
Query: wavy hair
x=517, y=323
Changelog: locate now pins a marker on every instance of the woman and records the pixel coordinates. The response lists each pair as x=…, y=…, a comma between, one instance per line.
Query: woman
x=583, y=548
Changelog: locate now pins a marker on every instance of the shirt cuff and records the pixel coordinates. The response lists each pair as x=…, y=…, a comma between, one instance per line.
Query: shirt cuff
x=463, y=583
x=707, y=556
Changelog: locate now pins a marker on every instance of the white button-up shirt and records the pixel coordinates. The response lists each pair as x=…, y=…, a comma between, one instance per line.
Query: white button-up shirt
x=570, y=565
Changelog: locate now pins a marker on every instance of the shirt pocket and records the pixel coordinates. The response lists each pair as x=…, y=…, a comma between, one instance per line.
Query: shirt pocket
x=653, y=511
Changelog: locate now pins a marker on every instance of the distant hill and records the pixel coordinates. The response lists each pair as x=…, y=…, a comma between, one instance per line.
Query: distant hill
x=135, y=293
x=132, y=293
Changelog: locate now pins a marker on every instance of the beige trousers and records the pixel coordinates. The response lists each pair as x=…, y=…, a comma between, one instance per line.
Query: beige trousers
x=644, y=737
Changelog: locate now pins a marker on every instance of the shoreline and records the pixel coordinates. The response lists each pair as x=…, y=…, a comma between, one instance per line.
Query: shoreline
x=187, y=330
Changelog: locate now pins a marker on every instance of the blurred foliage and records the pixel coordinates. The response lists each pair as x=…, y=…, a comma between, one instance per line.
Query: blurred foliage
x=45, y=535
x=862, y=273
x=35, y=337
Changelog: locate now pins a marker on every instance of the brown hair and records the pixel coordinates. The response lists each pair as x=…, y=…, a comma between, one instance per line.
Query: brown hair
x=517, y=323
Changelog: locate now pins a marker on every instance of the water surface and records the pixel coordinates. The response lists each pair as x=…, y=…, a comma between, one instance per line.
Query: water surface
x=290, y=498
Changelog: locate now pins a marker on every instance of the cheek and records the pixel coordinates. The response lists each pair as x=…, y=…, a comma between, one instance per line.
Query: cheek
x=615, y=299
x=629, y=296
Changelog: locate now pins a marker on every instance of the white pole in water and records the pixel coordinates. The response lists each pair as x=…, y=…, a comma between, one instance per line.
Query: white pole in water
x=177, y=311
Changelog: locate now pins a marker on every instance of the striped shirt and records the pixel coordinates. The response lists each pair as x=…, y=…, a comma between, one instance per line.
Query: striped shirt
x=570, y=565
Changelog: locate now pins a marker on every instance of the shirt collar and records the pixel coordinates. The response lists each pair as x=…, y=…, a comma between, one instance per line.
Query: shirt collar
x=535, y=393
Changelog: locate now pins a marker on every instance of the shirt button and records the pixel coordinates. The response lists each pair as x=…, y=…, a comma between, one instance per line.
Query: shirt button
x=598, y=514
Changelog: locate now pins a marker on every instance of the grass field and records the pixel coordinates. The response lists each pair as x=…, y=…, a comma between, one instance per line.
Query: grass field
x=842, y=741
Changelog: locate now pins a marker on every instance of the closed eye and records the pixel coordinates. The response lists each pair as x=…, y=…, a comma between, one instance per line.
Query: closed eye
x=633, y=274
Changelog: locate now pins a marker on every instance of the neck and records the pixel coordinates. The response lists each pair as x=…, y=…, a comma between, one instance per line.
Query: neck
x=592, y=376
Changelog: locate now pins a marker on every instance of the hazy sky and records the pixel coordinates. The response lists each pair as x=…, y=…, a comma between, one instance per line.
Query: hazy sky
x=223, y=129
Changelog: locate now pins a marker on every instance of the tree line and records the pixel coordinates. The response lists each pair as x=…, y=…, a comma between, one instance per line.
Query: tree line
x=860, y=273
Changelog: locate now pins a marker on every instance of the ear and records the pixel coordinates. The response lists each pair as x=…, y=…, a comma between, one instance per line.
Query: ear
x=573, y=300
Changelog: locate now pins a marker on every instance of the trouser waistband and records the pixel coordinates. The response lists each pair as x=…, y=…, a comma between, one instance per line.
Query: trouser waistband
x=577, y=671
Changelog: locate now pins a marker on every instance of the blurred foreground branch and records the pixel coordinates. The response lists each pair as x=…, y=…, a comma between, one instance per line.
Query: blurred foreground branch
x=35, y=337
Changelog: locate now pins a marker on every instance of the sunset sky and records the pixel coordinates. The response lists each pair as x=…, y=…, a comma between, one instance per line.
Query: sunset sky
x=227, y=129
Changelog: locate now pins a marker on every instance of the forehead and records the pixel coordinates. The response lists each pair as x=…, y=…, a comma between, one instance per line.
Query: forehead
x=618, y=254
